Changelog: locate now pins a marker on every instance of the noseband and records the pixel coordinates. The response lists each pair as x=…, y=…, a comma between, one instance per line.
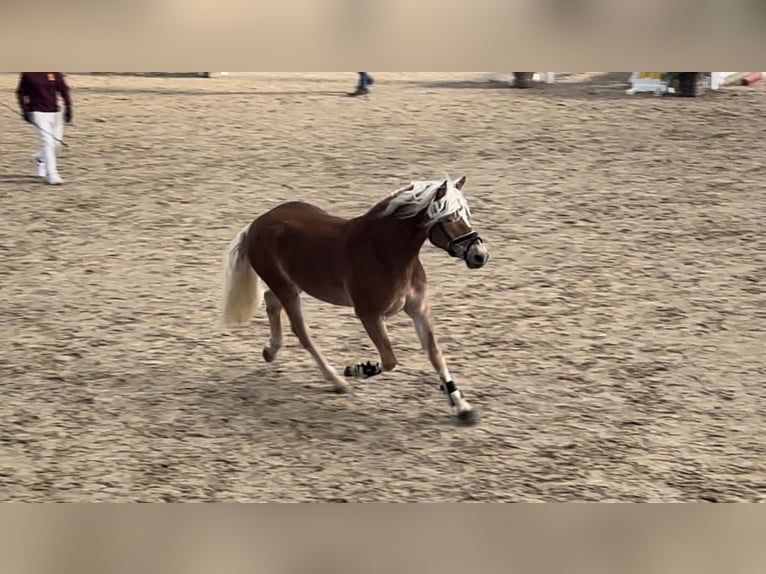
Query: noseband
x=457, y=246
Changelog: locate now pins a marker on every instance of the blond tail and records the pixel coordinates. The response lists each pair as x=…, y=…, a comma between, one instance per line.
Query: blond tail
x=243, y=289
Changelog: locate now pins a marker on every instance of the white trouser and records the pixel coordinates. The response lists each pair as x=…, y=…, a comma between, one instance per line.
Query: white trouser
x=50, y=124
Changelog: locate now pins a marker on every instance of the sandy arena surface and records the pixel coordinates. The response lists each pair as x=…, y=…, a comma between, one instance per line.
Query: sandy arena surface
x=614, y=345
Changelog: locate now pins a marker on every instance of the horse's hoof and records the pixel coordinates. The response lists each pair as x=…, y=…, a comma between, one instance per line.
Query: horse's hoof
x=268, y=355
x=468, y=418
x=341, y=389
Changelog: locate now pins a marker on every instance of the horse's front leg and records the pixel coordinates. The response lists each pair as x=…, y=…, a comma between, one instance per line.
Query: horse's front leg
x=376, y=328
x=417, y=307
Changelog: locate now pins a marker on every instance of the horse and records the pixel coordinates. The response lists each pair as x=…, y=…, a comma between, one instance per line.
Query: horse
x=370, y=262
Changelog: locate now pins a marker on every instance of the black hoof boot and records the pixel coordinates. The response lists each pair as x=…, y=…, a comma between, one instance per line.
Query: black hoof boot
x=363, y=370
x=468, y=418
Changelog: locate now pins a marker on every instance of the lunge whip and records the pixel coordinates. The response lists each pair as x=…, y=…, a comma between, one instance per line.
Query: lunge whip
x=62, y=142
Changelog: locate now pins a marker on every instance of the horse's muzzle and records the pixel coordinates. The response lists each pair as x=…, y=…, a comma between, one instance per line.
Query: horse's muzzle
x=476, y=256
x=469, y=247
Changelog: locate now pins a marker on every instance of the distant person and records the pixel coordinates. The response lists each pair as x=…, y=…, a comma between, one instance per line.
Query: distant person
x=38, y=98
x=362, y=87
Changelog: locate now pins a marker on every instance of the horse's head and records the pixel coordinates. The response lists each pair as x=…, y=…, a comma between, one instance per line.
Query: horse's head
x=449, y=225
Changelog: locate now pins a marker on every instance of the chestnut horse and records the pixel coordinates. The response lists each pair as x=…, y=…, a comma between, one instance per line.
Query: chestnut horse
x=370, y=263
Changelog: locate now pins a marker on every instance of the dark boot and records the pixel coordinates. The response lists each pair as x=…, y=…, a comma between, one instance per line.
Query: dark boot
x=361, y=88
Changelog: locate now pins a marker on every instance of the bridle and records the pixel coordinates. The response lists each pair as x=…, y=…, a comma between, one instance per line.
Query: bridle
x=457, y=246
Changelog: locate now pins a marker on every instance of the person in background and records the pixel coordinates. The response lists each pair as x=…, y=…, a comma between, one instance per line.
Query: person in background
x=365, y=80
x=38, y=93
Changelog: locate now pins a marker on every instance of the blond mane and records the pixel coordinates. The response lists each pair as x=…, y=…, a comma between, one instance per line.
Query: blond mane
x=420, y=196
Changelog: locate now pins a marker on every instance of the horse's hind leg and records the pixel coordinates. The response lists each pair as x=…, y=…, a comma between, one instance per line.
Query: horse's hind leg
x=274, y=311
x=292, y=305
x=376, y=330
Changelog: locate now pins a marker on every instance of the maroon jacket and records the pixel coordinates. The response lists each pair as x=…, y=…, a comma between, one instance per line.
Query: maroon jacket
x=37, y=91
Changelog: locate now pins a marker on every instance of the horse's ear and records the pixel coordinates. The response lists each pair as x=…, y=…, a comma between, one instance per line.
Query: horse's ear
x=460, y=183
x=442, y=191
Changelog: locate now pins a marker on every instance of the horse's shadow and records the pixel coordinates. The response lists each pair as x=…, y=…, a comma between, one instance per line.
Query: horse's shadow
x=303, y=404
